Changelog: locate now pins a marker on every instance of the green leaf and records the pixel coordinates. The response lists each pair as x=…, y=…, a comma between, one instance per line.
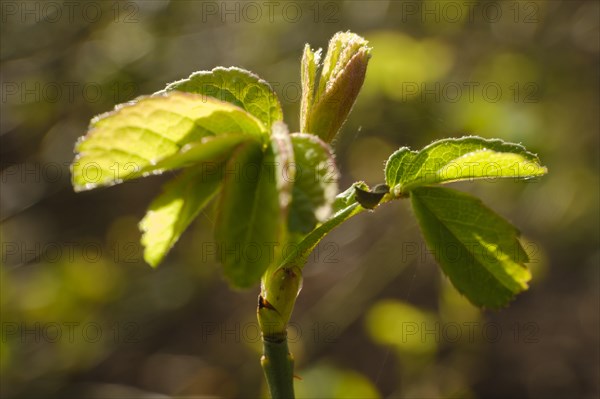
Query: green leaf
x=280, y=167
x=133, y=139
x=210, y=150
x=398, y=165
x=284, y=168
x=173, y=211
x=477, y=249
x=342, y=75
x=315, y=183
x=464, y=158
x=249, y=215
x=236, y=86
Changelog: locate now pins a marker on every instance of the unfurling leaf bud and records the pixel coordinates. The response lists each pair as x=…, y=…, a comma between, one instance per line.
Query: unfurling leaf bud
x=327, y=99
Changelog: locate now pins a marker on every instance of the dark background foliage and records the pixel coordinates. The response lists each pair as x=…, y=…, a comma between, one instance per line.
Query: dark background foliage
x=83, y=316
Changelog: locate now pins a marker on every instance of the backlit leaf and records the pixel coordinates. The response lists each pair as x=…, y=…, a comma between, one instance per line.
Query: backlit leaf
x=135, y=138
x=172, y=211
x=464, y=158
x=477, y=249
x=236, y=86
x=249, y=215
x=315, y=183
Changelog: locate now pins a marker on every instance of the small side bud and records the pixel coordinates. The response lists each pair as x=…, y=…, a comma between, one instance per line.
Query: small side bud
x=277, y=299
x=370, y=199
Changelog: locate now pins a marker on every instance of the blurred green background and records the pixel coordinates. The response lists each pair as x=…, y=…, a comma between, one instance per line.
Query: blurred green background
x=83, y=316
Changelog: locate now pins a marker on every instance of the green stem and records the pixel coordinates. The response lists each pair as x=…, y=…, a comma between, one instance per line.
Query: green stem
x=279, y=290
x=278, y=365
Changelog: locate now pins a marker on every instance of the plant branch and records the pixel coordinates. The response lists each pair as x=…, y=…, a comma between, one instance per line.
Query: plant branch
x=278, y=364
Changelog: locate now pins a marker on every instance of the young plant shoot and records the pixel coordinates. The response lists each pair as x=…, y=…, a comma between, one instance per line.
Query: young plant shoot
x=224, y=130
